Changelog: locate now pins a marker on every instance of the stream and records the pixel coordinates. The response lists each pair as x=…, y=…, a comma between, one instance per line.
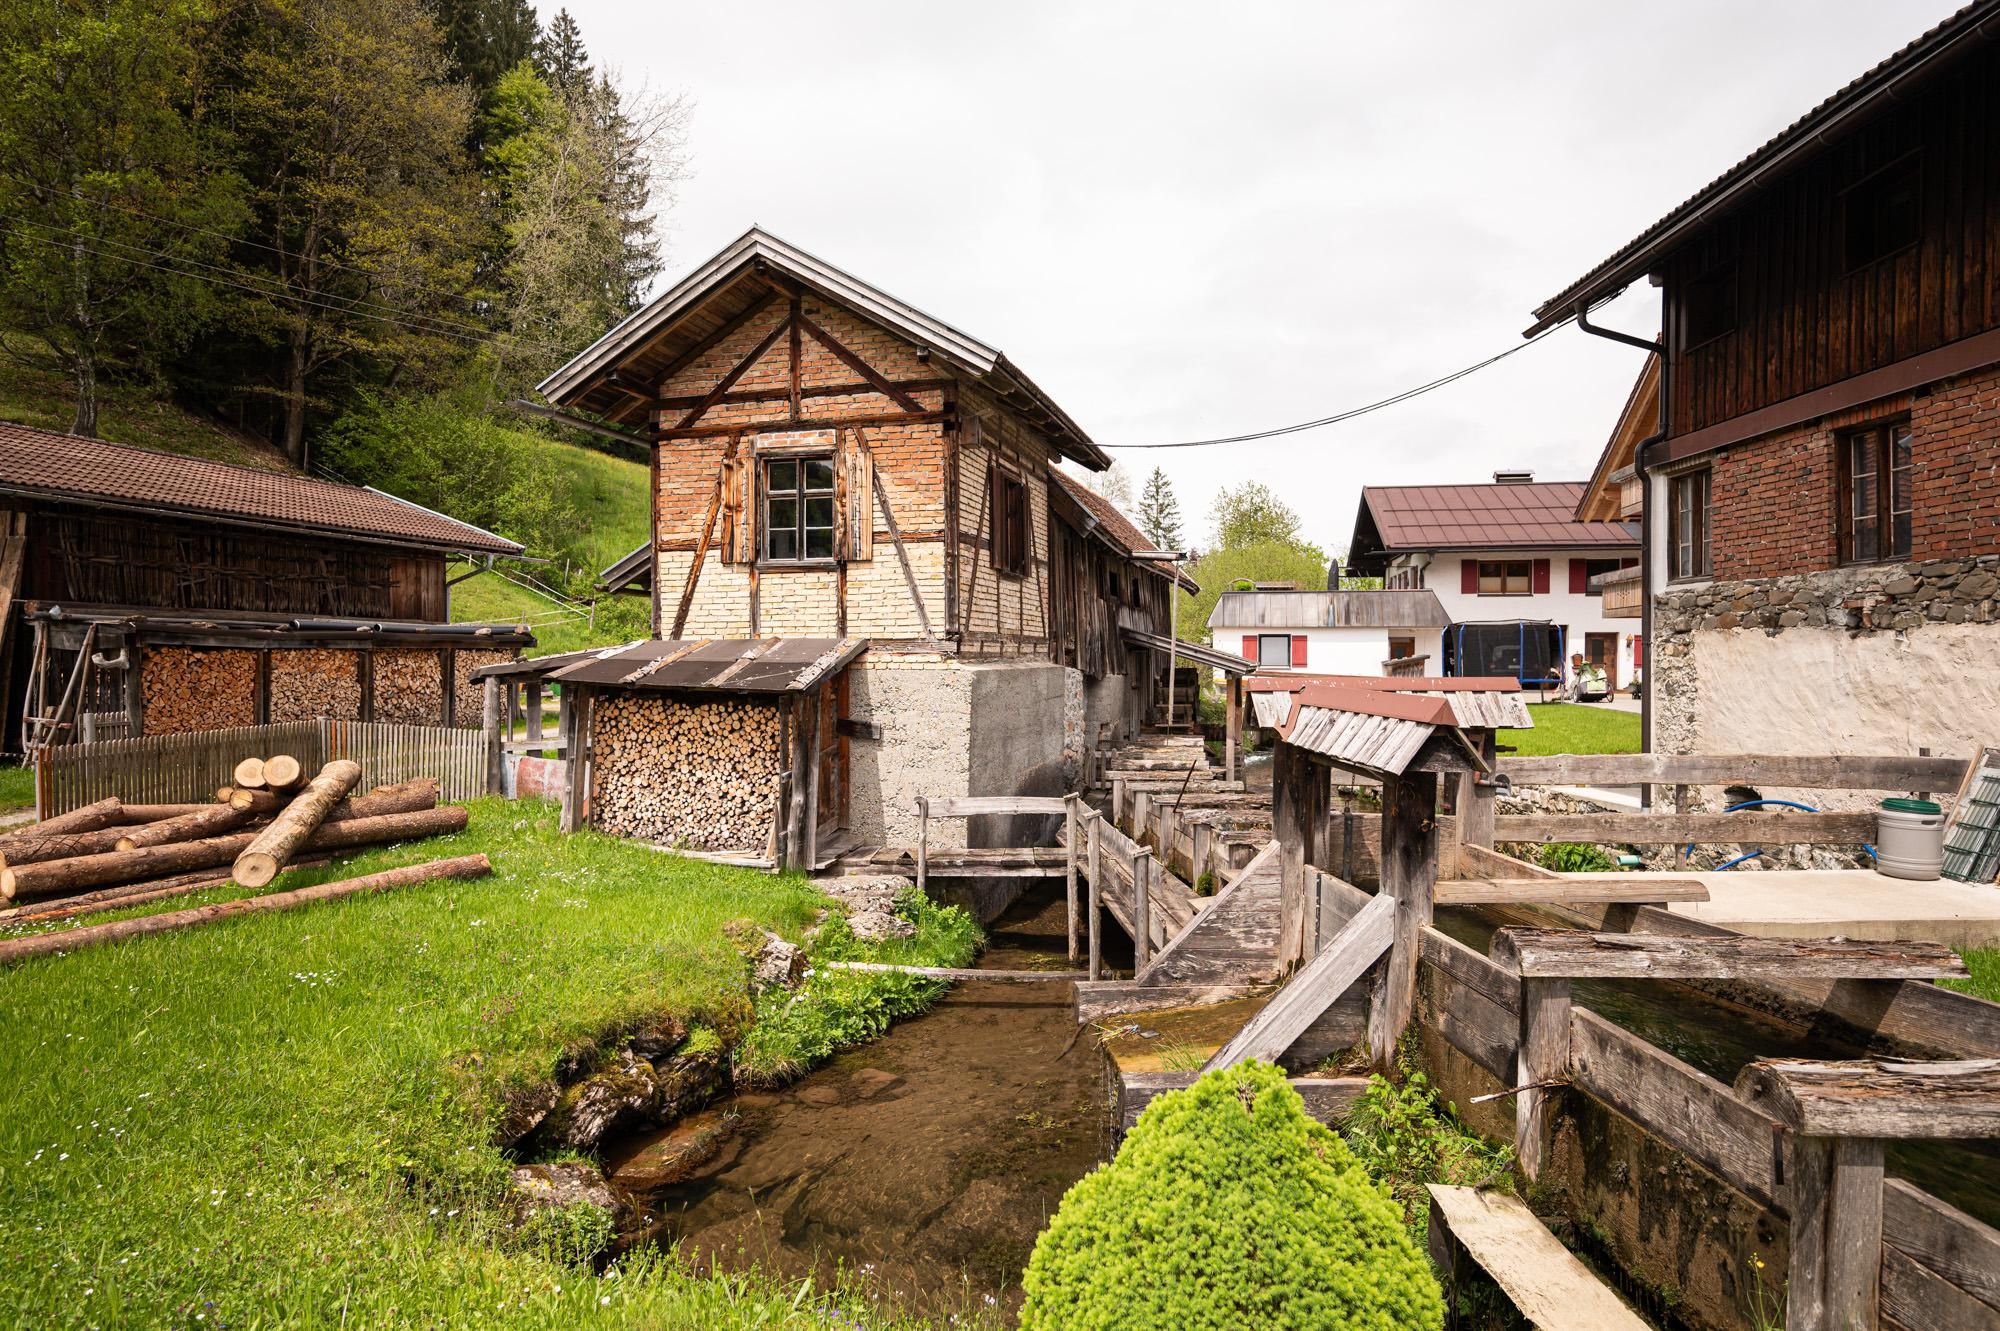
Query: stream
x=924, y=1164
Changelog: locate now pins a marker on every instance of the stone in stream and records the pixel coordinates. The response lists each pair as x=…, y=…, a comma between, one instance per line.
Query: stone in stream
x=533, y=1189
x=672, y=1157
x=823, y=1096
x=871, y=1082
x=870, y=902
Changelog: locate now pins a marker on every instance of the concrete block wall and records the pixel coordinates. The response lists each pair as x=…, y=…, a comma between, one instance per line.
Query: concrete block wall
x=923, y=704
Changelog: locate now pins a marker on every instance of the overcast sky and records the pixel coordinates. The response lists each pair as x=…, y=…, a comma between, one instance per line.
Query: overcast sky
x=1185, y=221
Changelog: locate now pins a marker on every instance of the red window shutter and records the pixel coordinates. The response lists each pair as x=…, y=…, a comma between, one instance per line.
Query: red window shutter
x=1541, y=577
x=1250, y=647
x=1468, y=576
x=1579, y=577
x=1299, y=650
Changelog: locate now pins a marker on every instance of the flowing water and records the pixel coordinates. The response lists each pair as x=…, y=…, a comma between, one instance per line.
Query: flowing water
x=924, y=1163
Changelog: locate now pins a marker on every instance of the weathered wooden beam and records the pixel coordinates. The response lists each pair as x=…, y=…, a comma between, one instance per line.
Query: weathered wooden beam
x=1550, y=1287
x=1408, y=872
x=1573, y=954
x=1527, y=891
x=1760, y=829
x=1892, y=1099
x=1095, y=874
x=830, y=423
x=960, y=972
x=1543, y=1057
x=1824, y=772
x=974, y=806
x=1833, y=1282
x=1070, y=806
x=1339, y=965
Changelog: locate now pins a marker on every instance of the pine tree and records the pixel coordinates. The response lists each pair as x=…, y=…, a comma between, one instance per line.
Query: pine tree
x=560, y=53
x=1160, y=512
x=486, y=38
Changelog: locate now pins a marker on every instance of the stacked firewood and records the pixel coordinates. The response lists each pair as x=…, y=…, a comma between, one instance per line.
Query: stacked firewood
x=192, y=688
x=112, y=853
x=409, y=687
x=697, y=775
x=313, y=682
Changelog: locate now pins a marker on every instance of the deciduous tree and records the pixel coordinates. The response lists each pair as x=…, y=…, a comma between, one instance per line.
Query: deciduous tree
x=1252, y=514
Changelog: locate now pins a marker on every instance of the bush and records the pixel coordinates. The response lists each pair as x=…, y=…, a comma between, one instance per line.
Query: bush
x=1404, y=1137
x=1228, y=1207
x=1575, y=857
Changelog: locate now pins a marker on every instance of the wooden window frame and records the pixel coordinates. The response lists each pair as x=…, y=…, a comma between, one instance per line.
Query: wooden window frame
x=1008, y=527
x=1503, y=577
x=1286, y=639
x=1892, y=482
x=799, y=493
x=1408, y=642
x=1694, y=538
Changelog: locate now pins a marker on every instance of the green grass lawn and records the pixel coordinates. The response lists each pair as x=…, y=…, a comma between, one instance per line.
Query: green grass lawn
x=1572, y=728
x=17, y=787
x=1984, y=963
x=284, y=1120
x=487, y=598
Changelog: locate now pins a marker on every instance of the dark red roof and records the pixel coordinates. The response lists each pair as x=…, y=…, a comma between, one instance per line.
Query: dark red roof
x=1117, y=528
x=1378, y=702
x=63, y=466
x=1531, y=515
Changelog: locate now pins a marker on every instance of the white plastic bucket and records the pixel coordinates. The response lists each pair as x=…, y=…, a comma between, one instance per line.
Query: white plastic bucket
x=1909, y=845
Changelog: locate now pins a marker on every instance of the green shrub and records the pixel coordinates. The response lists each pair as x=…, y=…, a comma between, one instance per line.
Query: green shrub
x=1575, y=857
x=1404, y=1137
x=1228, y=1207
x=568, y=1235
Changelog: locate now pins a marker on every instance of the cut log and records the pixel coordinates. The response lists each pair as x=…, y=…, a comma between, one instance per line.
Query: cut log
x=61, y=846
x=211, y=821
x=408, y=797
x=260, y=861
x=69, y=940
x=87, y=819
x=123, y=866
x=127, y=894
x=249, y=774
x=282, y=771
x=153, y=813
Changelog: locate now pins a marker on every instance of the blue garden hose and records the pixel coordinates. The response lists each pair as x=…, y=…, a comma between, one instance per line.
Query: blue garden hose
x=1755, y=804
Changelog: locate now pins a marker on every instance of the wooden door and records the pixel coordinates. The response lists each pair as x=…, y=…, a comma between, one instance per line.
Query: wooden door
x=832, y=754
x=1601, y=650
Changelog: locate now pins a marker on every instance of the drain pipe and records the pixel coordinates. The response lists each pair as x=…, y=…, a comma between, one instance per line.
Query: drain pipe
x=1647, y=532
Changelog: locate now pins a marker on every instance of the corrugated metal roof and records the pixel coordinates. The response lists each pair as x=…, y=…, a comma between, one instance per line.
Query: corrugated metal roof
x=1352, y=609
x=636, y=567
x=721, y=665
x=756, y=245
x=1633, y=260
x=45, y=464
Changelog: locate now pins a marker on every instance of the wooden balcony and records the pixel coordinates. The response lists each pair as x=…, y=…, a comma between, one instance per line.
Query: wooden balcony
x=1623, y=592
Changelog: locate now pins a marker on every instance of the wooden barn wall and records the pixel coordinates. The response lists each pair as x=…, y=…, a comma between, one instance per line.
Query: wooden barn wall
x=1000, y=613
x=1093, y=595
x=77, y=555
x=1805, y=321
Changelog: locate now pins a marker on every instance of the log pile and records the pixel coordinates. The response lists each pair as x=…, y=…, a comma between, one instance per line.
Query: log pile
x=313, y=682
x=192, y=688
x=697, y=775
x=409, y=687
x=468, y=699
x=112, y=851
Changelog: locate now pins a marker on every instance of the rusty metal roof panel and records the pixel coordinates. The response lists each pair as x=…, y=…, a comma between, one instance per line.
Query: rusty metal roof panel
x=722, y=665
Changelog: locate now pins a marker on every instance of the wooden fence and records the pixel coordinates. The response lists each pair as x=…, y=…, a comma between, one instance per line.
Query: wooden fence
x=188, y=768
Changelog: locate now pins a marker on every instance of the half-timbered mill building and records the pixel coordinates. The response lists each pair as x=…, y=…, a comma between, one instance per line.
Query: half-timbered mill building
x=1821, y=480
x=833, y=464
x=147, y=593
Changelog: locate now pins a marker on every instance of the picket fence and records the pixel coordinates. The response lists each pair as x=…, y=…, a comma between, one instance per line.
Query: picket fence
x=188, y=768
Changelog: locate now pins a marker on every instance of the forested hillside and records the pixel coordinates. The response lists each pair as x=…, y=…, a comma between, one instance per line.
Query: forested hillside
x=336, y=236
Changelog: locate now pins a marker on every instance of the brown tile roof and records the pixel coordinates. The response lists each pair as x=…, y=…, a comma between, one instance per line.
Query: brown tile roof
x=1117, y=528
x=62, y=466
x=1539, y=514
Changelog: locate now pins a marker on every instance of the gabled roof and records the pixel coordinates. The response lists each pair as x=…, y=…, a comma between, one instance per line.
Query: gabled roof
x=1534, y=515
x=1350, y=609
x=1838, y=113
x=757, y=251
x=1117, y=530
x=1638, y=421
x=635, y=567
x=47, y=465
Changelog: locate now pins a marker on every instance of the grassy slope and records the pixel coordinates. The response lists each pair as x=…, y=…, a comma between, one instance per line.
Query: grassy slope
x=1569, y=728
x=126, y=415
x=282, y=1120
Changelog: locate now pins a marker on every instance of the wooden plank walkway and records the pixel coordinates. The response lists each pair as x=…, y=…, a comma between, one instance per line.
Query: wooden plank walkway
x=1552, y=1289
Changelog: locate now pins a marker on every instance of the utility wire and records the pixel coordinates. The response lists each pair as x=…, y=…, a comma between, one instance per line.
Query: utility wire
x=1351, y=412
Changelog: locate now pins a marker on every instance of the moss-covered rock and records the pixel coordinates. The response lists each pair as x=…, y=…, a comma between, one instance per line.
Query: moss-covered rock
x=1226, y=1207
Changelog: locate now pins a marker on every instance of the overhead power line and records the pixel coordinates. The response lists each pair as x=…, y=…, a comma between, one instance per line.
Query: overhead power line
x=1351, y=412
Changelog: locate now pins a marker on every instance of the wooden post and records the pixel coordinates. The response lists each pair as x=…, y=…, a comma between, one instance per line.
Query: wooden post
x=1232, y=732
x=1096, y=875
x=575, y=724
x=1294, y=781
x=1069, y=865
x=135, y=686
x=1409, y=868
x=1834, y=1281
x=496, y=756
x=534, y=706
x=1142, y=911
x=1543, y=1055
x=809, y=730
x=1681, y=806
x=923, y=843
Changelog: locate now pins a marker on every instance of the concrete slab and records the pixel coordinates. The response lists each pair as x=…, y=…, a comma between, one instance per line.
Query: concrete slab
x=1844, y=903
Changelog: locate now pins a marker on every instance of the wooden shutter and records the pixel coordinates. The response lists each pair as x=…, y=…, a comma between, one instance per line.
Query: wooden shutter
x=1250, y=648
x=1299, y=651
x=1579, y=577
x=1541, y=577
x=1468, y=576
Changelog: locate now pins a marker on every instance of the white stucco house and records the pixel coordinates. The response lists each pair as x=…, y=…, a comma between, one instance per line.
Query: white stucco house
x=1328, y=633
x=1510, y=565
